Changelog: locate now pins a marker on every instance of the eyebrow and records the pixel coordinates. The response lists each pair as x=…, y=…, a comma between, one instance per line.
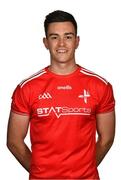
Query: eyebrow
x=55, y=34
x=52, y=34
x=69, y=33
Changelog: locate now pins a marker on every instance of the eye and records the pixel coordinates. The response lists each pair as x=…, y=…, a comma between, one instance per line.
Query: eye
x=69, y=37
x=53, y=37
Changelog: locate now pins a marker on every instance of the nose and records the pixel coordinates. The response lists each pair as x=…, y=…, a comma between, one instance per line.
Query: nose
x=61, y=42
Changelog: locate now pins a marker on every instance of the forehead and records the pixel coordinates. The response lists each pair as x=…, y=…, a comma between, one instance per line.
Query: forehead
x=61, y=28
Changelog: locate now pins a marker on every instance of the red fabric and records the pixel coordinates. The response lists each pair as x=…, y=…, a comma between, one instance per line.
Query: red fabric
x=62, y=111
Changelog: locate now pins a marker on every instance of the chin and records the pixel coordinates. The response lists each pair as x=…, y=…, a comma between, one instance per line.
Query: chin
x=63, y=61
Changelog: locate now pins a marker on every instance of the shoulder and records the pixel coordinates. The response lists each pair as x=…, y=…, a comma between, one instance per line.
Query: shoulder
x=96, y=83
x=100, y=88
x=33, y=79
x=93, y=78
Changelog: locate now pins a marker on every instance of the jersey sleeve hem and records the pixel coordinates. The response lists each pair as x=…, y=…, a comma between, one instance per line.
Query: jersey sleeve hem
x=106, y=111
x=20, y=113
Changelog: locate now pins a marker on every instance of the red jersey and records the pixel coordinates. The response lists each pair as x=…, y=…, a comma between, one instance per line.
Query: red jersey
x=62, y=111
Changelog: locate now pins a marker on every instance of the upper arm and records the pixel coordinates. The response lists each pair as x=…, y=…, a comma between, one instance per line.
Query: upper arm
x=17, y=127
x=106, y=125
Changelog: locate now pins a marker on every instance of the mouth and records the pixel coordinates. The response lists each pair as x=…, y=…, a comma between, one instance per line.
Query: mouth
x=61, y=51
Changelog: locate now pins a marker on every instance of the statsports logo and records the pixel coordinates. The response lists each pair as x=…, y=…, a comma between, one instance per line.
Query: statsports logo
x=63, y=111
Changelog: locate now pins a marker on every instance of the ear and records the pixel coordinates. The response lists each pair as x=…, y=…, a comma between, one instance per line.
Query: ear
x=77, y=41
x=45, y=41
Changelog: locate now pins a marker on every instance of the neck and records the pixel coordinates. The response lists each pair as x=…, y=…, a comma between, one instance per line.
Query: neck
x=63, y=68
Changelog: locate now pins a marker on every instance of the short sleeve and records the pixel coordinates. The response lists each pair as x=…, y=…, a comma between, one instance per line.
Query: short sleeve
x=107, y=102
x=20, y=101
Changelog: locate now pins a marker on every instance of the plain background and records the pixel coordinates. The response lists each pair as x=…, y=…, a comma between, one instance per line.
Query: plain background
x=22, y=53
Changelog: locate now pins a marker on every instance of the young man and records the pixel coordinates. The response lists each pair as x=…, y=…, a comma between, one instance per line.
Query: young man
x=65, y=106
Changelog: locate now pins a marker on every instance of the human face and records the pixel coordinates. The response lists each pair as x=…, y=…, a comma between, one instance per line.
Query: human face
x=61, y=41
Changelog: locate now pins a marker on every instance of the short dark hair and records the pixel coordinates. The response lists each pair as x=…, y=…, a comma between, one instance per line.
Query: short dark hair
x=59, y=16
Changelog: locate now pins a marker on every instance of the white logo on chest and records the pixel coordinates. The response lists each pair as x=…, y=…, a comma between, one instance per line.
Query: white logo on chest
x=63, y=111
x=85, y=95
x=67, y=87
x=45, y=96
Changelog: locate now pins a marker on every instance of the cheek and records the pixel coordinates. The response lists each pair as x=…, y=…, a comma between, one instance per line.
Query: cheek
x=53, y=45
x=73, y=45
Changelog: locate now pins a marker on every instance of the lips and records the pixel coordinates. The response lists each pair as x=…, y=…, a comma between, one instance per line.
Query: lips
x=61, y=51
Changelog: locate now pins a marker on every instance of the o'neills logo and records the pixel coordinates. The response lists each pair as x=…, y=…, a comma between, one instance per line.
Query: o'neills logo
x=63, y=111
x=67, y=87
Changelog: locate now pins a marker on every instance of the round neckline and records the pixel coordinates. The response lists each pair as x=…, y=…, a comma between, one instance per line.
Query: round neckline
x=62, y=75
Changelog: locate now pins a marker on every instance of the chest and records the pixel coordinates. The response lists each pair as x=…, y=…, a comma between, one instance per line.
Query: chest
x=61, y=98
